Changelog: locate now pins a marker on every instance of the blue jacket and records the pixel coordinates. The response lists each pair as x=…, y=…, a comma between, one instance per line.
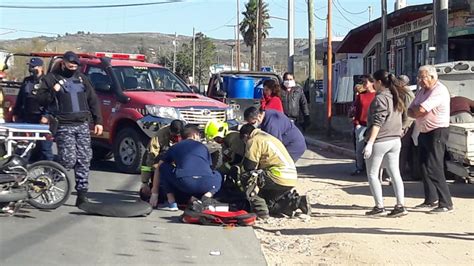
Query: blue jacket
x=281, y=127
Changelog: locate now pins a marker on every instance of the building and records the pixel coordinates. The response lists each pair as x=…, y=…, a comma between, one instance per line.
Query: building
x=410, y=34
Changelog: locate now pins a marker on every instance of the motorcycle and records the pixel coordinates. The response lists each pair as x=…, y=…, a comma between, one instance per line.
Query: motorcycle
x=43, y=184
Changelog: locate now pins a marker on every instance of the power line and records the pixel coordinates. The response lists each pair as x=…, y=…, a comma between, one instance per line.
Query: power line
x=90, y=6
x=344, y=17
x=352, y=13
x=220, y=27
x=30, y=31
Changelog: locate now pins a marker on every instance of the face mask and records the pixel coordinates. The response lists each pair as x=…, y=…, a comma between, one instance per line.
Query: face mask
x=289, y=83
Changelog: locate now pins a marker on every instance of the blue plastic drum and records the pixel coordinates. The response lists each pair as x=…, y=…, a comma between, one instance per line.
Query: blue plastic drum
x=240, y=88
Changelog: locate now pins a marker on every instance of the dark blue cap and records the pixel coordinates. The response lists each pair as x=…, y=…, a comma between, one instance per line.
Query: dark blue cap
x=71, y=57
x=35, y=61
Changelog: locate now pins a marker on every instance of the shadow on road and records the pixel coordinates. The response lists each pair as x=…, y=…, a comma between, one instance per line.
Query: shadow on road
x=376, y=231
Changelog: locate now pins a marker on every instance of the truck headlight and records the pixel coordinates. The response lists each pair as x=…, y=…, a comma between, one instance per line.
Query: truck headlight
x=230, y=113
x=162, y=111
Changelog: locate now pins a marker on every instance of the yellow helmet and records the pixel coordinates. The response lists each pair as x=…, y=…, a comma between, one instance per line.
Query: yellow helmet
x=215, y=128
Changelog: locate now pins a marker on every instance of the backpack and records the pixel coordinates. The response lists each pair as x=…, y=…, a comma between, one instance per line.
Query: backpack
x=208, y=217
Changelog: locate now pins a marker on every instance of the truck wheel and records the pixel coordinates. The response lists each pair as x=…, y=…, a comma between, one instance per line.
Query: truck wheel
x=128, y=150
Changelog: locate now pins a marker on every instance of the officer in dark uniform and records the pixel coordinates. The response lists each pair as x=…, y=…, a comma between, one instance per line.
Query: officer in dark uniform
x=28, y=110
x=70, y=98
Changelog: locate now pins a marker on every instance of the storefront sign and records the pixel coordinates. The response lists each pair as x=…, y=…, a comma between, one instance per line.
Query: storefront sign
x=392, y=58
x=400, y=42
x=425, y=35
x=412, y=26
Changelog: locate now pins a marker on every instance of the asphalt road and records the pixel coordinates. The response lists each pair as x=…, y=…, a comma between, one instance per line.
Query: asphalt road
x=66, y=236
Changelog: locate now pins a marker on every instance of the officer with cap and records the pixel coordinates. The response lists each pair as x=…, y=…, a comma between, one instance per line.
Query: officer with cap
x=70, y=98
x=28, y=110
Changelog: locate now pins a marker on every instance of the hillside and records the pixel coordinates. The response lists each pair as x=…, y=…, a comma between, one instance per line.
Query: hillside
x=157, y=44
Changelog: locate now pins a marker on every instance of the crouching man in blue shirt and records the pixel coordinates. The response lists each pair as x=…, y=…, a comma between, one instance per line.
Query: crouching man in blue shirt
x=186, y=168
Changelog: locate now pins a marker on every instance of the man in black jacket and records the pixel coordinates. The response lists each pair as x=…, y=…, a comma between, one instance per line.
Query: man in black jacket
x=294, y=101
x=70, y=98
x=28, y=110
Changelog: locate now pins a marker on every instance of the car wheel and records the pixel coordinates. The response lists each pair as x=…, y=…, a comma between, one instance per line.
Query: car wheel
x=129, y=147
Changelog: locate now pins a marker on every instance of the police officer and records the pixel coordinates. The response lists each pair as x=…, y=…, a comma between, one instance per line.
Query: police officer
x=28, y=110
x=71, y=99
x=274, y=195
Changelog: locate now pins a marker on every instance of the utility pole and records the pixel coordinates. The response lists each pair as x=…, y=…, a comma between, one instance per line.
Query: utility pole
x=329, y=62
x=441, y=7
x=238, y=36
x=291, y=37
x=370, y=13
x=194, y=55
x=174, y=52
x=260, y=34
x=312, y=43
x=383, y=46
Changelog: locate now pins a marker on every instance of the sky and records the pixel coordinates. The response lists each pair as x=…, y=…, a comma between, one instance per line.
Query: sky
x=212, y=17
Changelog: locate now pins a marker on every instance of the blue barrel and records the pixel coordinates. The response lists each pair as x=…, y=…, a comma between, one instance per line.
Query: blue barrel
x=225, y=81
x=240, y=88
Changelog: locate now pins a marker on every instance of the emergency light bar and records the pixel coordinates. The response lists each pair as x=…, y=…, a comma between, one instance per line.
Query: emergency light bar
x=120, y=56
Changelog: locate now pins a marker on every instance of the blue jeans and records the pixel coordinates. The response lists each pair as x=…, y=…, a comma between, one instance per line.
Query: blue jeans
x=191, y=185
x=42, y=151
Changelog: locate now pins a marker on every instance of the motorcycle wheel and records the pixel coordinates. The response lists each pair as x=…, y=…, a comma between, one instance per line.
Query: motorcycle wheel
x=49, y=185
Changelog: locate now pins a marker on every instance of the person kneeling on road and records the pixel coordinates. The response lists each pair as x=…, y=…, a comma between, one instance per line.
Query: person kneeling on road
x=271, y=192
x=185, y=168
x=159, y=144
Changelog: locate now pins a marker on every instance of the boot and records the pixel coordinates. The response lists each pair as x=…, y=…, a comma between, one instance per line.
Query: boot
x=304, y=205
x=81, y=198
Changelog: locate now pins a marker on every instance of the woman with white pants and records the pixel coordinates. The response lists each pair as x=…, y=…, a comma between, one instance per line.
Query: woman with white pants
x=384, y=128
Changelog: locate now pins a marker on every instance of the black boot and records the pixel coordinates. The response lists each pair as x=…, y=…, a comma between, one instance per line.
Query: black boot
x=304, y=205
x=81, y=198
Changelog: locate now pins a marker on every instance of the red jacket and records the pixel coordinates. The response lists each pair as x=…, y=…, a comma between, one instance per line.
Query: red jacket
x=362, y=104
x=272, y=103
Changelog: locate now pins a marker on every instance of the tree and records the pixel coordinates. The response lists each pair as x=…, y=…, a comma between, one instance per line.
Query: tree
x=248, y=27
x=205, y=54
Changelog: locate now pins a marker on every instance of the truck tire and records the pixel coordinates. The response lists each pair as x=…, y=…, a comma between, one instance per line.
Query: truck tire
x=129, y=147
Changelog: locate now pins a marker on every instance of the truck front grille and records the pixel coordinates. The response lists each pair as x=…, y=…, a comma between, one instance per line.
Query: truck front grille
x=201, y=116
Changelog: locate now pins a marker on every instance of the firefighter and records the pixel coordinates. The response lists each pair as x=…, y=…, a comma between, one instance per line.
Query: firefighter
x=233, y=148
x=28, y=110
x=271, y=191
x=71, y=100
x=165, y=137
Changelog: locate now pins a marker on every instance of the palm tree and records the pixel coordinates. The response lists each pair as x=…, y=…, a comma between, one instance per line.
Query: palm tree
x=248, y=27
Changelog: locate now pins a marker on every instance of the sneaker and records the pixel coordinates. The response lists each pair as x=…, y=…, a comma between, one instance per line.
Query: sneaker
x=398, y=211
x=172, y=207
x=304, y=205
x=376, y=211
x=442, y=210
x=425, y=205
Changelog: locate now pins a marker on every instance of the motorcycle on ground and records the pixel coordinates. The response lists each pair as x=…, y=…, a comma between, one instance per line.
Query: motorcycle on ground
x=43, y=184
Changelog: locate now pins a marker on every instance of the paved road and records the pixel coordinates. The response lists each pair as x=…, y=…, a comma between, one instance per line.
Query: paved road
x=66, y=236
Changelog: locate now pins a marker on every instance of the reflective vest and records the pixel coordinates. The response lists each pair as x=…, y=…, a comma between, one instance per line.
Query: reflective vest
x=72, y=97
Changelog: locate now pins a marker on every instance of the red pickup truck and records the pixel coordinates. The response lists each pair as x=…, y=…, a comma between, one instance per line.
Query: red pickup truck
x=137, y=98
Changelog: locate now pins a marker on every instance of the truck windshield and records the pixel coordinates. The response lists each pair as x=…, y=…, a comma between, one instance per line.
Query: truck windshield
x=146, y=78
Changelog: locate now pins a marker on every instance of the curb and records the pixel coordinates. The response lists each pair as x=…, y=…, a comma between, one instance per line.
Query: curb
x=330, y=147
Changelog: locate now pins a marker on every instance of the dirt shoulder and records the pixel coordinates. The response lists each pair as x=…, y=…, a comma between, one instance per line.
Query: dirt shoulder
x=338, y=232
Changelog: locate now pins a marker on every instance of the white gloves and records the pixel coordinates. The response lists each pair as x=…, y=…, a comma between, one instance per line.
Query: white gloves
x=154, y=199
x=368, y=150
x=358, y=126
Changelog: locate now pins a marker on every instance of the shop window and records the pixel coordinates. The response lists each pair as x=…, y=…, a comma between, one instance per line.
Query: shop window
x=400, y=62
